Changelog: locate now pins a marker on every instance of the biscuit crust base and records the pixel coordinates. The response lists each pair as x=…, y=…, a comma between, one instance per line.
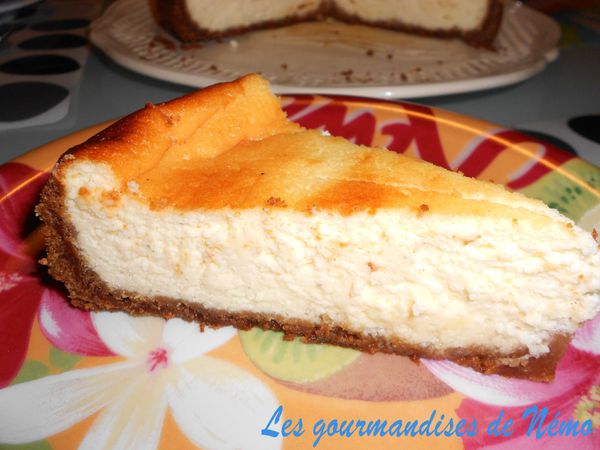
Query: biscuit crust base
x=87, y=291
x=173, y=16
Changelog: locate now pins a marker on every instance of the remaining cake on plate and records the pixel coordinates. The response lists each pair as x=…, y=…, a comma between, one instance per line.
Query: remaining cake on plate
x=214, y=207
x=475, y=21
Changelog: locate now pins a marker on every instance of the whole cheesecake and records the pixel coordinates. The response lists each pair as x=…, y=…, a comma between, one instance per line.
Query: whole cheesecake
x=214, y=207
x=475, y=21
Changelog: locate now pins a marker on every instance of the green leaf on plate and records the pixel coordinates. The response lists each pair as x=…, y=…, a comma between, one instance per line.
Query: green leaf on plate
x=573, y=190
x=37, y=445
x=294, y=360
x=31, y=370
x=63, y=360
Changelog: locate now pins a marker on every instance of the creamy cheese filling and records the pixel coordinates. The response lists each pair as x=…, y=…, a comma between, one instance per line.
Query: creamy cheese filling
x=427, y=14
x=442, y=282
x=220, y=16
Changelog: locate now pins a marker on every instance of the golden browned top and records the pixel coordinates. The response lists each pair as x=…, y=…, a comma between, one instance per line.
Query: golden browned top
x=231, y=145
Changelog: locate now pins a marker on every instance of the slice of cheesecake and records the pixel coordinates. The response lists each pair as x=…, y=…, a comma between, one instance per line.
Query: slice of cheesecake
x=215, y=208
x=475, y=21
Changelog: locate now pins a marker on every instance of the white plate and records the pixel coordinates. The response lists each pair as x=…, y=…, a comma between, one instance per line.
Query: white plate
x=334, y=58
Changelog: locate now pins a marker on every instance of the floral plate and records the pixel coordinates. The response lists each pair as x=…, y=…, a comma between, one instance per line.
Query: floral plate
x=107, y=380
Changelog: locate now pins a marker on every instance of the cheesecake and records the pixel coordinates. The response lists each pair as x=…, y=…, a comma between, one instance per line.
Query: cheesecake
x=215, y=208
x=475, y=21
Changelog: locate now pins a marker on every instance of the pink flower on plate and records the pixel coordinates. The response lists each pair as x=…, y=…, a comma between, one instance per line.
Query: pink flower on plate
x=21, y=287
x=573, y=395
x=19, y=190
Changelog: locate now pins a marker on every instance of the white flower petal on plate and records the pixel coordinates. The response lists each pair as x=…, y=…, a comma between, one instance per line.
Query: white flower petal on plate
x=133, y=421
x=498, y=390
x=221, y=406
x=186, y=341
x=588, y=336
x=37, y=409
x=129, y=336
